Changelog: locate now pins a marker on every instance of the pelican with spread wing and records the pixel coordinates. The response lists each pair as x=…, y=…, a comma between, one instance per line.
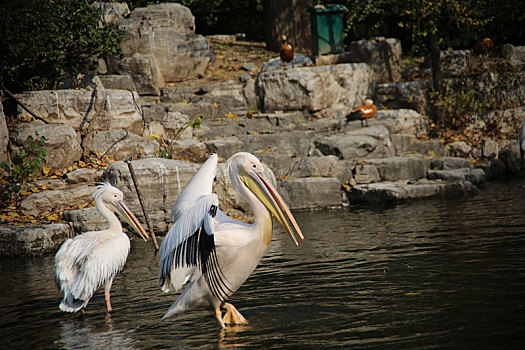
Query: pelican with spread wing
x=91, y=260
x=213, y=252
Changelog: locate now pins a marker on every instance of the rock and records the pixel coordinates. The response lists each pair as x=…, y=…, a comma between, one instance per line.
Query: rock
x=383, y=55
x=459, y=149
x=405, y=121
x=506, y=121
x=475, y=176
x=87, y=219
x=225, y=147
x=290, y=144
x=369, y=142
x=61, y=142
x=118, y=144
x=101, y=109
x=145, y=71
x=431, y=147
x=490, y=148
x=154, y=130
x=189, y=149
x=403, y=95
x=160, y=181
x=403, y=143
x=446, y=163
x=298, y=61
x=324, y=166
x=37, y=203
x=4, y=136
x=226, y=97
x=399, y=168
x=325, y=89
x=366, y=173
x=311, y=192
x=33, y=240
x=83, y=176
x=162, y=41
x=382, y=192
x=118, y=81
x=249, y=67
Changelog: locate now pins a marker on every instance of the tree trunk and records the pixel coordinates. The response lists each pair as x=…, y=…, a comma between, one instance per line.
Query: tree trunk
x=290, y=18
x=435, y=57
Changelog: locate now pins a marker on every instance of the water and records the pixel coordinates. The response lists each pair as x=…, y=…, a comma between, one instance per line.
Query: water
x=421, y=275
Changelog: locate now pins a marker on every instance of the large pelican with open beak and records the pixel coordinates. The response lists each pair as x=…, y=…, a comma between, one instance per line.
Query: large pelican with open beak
x=91, y=260
x=215, y=253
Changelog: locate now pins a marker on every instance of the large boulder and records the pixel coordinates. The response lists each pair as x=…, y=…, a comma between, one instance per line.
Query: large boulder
x=160, y=46
x=396, y=168
x=324, y=90
x=383, y=55
x=405, y=121
x=37, y=203
x=61, y=142
x=98, y=109
x=311, y=192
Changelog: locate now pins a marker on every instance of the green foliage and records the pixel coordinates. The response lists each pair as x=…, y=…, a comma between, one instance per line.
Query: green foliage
x=42, y=39
x=28, y=161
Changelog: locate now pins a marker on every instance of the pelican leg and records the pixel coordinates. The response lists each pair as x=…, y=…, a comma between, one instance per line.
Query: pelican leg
x=107, y=295
x=232, y=316
x=218, y=316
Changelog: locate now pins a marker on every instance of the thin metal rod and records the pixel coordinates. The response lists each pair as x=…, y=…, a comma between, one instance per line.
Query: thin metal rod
x=127, y=160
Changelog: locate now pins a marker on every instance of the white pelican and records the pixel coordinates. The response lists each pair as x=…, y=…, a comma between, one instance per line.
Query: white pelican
x=91, y=260
x=216, y=253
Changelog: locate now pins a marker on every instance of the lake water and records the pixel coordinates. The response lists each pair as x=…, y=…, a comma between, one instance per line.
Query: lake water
x=420, y=275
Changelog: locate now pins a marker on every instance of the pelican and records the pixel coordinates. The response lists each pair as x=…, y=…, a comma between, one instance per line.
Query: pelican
x=213, y=252
x=91, y=260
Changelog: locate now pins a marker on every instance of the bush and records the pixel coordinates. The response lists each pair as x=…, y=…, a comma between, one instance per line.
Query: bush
x=42, y=39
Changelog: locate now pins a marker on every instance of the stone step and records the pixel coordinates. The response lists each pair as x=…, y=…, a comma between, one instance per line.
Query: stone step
x=391, y=191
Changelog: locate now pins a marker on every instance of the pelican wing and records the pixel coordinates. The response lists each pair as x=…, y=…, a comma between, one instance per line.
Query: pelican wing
x=189, y=246
x=201, y=184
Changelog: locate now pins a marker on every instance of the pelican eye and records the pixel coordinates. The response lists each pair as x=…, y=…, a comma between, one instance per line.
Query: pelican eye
x=254, y=166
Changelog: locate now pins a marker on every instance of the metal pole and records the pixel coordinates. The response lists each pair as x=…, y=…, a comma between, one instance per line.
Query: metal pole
x=127, y=160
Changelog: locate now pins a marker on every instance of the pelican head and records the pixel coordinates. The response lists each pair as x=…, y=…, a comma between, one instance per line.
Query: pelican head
x=113, y=198
x=252, y=174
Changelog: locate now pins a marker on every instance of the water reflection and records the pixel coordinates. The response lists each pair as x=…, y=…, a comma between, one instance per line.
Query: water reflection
x=430, y=274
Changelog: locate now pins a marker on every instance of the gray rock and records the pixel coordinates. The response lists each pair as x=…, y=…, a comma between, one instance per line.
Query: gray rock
x=475, y=176
x=405, y=121
x=366, y=173
x=490, y=148
x=400, y=168
x=33, y=240
x=383, y=55
x=85, y=220
x=83, y=176
x=445, y=163
x=162, y=40
x=324, y=166
x=101, y=109
x=189, y=149
x=112, y=12
x=225, y=147
x=4, y=135
x=37, y=203
x=369, y=142
x=459, y=149
x=226, y=97
x=298, y=61
x=382, y=192
x=290, y=144
x=403, y=95
x=403, y=143
x=325, y=89
x=311, y=192
x=118, y=82
x=455, y=63
x=118, y=144
x=61, y=142
x=432, y=147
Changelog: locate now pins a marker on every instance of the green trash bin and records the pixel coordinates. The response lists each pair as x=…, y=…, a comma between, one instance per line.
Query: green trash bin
x=327, y=23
